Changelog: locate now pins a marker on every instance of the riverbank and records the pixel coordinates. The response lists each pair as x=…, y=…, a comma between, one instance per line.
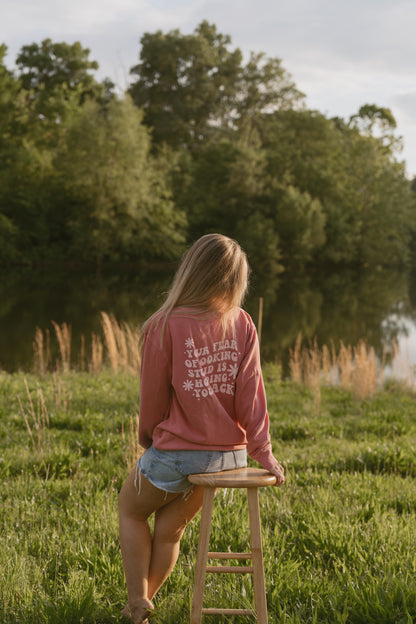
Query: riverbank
x=338, y=537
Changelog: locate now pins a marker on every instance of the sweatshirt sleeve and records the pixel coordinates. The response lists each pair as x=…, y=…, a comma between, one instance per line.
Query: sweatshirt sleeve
x=155, y=384
x=251, y=404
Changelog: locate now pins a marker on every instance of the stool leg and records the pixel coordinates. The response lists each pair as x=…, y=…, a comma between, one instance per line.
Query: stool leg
x=202, y=555
x=257, y=554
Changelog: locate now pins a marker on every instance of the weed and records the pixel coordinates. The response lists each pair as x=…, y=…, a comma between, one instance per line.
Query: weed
x=36, y=419
x=132, y=449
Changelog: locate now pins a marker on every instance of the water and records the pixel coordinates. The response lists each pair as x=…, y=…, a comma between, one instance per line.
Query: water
x=379, y=307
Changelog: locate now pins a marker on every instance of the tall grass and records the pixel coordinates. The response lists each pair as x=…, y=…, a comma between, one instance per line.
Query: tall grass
x=122, y=344
x=41, y=349
x=116, y=347
x=36, y=419
x=354, y=368
x=63, y=335
x=131, y=441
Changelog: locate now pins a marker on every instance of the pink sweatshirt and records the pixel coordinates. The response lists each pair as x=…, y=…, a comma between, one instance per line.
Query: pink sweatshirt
x=201, y=390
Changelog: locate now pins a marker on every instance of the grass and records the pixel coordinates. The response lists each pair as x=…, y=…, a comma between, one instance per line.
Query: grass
x=338, y=538
x=117, y=347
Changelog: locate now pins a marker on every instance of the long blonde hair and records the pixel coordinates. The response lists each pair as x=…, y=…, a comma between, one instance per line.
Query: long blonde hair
x=212, y=278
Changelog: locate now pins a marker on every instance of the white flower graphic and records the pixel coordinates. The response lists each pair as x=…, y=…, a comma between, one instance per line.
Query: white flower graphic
x=188, y=385
x=232, y=371
x=189, y=343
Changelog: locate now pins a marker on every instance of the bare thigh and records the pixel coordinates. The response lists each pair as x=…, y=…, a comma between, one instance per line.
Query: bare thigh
x=175, y=509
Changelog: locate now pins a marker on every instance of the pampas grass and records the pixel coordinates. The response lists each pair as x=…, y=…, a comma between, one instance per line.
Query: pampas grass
x=117, y=347
x=353, y=368
x=63, y=335
x=122, y=344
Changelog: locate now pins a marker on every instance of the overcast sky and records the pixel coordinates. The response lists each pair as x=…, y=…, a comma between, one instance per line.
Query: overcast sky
x=341, y=53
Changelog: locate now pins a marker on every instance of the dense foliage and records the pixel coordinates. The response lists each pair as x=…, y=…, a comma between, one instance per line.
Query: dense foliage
x=202, y=141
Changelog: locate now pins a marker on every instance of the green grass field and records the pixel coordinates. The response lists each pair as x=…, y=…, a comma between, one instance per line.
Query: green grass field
x=339, y=538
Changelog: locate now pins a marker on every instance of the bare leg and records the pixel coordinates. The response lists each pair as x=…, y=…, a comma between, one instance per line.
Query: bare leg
x=147, y=563
x=136, y=541
x=170, y=523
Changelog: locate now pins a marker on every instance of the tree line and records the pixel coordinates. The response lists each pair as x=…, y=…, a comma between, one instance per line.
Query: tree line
x=201, y=141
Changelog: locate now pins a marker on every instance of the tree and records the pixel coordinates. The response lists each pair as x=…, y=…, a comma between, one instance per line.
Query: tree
x=50, y=71
x=27, y=174
x=10, y=139
x=9, y=88
x=80, y=182
x=184, y=83
x=381, y=198
x=372, y=119
x=193, y=87
x=114, y=195
x=51, y=64
x=300, y=221
x=264, y=88
x=363, y=193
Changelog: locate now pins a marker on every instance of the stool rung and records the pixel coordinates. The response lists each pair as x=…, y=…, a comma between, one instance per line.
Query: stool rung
x=229, y=555
x=230, y=569
x=228, y=612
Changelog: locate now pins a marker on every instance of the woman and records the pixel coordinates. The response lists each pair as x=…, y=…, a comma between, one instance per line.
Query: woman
x=202, y=408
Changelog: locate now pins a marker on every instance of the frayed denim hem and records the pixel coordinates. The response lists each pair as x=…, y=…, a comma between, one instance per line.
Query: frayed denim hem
x=138, y=474
x=138, y=478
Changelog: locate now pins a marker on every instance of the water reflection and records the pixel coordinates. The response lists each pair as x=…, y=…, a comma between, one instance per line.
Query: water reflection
x=34, y=299
x=331, y=307
x=340, y=306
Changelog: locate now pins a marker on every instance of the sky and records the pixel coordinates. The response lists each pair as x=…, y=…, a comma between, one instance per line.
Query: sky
x=340, y=53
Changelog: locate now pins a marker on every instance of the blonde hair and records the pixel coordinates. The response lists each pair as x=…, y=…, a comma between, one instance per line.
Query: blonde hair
x=212, y=278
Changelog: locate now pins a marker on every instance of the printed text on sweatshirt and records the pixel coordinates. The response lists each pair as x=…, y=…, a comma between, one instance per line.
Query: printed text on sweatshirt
x=203, y=389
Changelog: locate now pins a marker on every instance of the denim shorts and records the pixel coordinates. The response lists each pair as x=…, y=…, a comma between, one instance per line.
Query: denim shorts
x=168, y=470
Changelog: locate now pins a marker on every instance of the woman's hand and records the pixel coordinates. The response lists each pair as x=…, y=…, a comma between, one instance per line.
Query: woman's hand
x=279, y=473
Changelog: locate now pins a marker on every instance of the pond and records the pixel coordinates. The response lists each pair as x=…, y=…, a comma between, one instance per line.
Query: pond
x=336, y=306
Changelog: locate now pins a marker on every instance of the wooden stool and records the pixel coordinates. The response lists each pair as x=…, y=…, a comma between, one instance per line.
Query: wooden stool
x=251, y=479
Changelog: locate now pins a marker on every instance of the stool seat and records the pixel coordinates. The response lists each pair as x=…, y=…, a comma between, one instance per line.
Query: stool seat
x=237, y=478
x=250, y=479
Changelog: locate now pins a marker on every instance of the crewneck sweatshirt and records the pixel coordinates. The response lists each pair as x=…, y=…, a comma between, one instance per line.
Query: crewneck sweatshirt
x=201, y=387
